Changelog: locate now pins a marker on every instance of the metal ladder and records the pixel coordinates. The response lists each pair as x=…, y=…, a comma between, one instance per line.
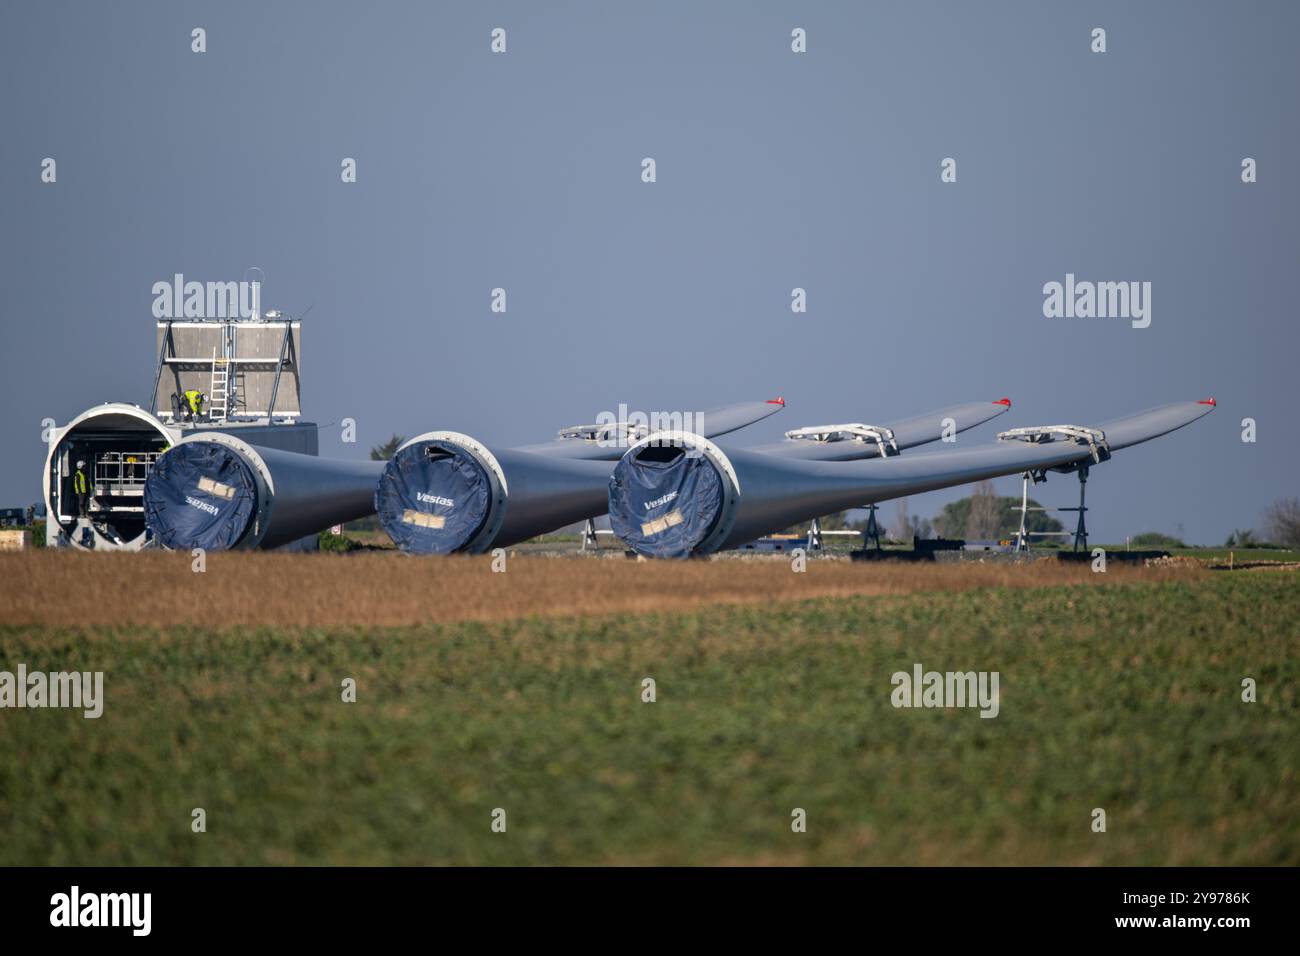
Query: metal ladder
x=218, y=391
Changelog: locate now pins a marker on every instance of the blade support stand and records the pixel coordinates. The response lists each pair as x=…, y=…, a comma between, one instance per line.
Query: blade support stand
x=853, y=431
x=1080, y=532
x=1094, y=438
x=626, y=432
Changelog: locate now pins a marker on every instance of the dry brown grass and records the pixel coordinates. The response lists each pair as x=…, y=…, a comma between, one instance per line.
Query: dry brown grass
x=159, y=589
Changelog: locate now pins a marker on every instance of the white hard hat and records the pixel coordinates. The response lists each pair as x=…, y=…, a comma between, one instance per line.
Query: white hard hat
x=81, y=463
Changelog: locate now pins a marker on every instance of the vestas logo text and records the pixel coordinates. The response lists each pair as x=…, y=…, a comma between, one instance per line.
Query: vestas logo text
x=435, y=500
x=201, y=505
x=660, y=501
x=103, y=909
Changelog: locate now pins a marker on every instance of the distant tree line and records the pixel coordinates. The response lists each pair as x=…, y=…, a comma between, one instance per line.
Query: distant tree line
x=987, y=516
x=1282, y=521
x=1154, y=539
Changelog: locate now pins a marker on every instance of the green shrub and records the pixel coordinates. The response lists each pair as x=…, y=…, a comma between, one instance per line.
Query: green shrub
x=1154, y=539
x=336, y=543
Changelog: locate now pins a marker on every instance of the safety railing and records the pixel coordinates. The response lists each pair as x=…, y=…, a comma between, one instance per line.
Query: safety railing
x=123, y=472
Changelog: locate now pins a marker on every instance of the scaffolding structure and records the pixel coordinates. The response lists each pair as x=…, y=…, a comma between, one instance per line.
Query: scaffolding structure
x=121, y=474
x=248, y=369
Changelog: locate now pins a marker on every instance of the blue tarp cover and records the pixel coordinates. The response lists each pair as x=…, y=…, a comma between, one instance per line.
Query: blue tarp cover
x=433, y=498
x=199, y=495
x=664, y=509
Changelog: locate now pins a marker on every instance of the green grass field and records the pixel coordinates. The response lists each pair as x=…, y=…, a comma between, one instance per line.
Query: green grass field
x=1240, y=555
x=1125, y=698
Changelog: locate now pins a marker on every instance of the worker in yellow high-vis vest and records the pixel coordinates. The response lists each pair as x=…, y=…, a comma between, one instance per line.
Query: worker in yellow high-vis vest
x=194, y=403
x=81, y=488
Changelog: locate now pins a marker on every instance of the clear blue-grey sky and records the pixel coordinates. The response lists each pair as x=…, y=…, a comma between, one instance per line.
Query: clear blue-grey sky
x=775, y=170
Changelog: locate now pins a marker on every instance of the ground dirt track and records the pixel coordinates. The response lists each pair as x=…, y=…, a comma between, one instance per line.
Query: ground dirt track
x=385, y=589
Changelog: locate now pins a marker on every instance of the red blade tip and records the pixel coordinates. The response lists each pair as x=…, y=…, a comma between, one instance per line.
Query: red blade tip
x=776, y=401
x=1003, y=401
x=1207, y=401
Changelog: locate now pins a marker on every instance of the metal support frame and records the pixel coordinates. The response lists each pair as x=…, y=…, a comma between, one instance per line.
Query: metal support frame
x=1080, y=532
x=853, y=431
x=872, y=530
x=591, y=535
x=886, y=445
x=1094, y=438
x=167, y=343
x=616, y=431
x=1021, y=543
x=817, y=534
x=1022, y=536
x=119, y=473
x=1081, y=529
x=230, y=345
x=286, y=347
x=226, y=370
